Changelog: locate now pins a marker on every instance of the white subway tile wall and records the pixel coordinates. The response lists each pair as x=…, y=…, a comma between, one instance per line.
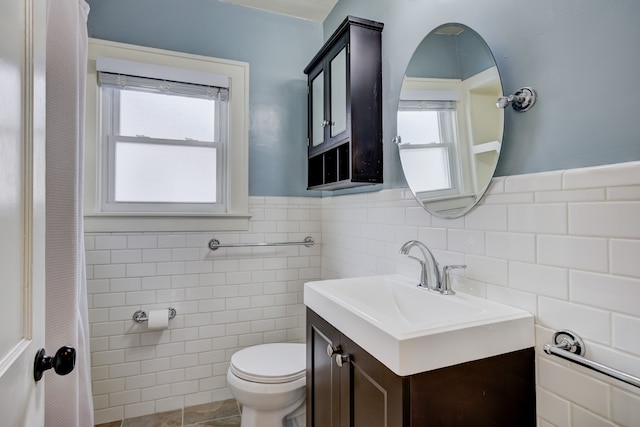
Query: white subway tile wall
x=564, y=245
x=225, y=300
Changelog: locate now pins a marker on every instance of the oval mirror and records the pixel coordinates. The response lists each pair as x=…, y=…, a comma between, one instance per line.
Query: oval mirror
x=449, y=128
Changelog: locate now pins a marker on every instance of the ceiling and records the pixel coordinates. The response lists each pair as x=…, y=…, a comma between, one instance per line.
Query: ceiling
x=312, y=10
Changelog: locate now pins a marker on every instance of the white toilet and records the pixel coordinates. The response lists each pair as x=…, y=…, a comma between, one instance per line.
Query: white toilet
x=268, y=380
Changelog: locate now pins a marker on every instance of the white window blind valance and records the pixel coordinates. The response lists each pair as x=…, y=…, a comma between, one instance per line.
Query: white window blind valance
x=161, y=72
x=123, y=81
x=159, y=78
x=427, y=105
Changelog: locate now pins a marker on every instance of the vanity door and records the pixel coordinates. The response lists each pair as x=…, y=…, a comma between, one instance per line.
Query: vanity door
x=323, y=375
x=346, y=386
x=374, y=392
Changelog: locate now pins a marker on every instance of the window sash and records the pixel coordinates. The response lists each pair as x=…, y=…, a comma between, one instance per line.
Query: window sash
x=111, y=136
x=109, y=178
x=446, y=110
x=448, y=180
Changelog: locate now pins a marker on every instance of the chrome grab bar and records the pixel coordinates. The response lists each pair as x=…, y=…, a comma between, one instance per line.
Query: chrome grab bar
x=568, y=345
x=215, y=244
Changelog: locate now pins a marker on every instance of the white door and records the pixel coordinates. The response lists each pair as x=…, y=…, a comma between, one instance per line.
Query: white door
x=22, y=198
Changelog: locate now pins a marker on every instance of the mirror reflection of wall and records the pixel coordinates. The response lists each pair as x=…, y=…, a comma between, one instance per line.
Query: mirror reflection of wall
x=452, y=51
x=450, y=129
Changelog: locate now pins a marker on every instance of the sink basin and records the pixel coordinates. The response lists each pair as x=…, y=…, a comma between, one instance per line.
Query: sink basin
x=398, y=305
x=412, y=330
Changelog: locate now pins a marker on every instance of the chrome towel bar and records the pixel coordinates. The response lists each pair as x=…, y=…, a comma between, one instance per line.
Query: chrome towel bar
x=568, y=345
x=215, y=244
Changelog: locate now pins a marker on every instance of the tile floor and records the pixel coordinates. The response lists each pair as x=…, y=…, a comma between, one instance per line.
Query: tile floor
x=216, y=414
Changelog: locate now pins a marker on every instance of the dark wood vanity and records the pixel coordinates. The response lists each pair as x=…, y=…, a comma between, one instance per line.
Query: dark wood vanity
x=496, y=391
x=345, y=108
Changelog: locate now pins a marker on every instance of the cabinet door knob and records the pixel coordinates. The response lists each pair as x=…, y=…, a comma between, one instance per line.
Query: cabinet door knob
x=325, y=123
x=341, y=359
x=331, y=350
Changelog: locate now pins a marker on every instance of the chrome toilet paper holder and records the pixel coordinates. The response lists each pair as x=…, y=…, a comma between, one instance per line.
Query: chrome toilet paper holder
x=141, y=315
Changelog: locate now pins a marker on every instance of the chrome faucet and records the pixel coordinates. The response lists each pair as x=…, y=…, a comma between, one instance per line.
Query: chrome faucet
x=430, y=270
x=430, y=277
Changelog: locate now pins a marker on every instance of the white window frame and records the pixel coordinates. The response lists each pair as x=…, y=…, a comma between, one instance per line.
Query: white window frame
x=436, y=89
x=111, y=136
x=235, y=215
x=447, y=119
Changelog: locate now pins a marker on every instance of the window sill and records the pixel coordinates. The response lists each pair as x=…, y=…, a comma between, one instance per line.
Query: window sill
x=127, y=222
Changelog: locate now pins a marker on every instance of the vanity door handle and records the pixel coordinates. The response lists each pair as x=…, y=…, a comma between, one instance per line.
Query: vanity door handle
x=341, y=359
x=331, y=350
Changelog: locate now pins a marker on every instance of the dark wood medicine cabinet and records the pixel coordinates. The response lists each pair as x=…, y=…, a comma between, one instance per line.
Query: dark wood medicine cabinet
x=345, y=108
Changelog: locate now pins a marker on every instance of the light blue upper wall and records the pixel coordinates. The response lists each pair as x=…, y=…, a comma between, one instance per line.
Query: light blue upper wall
x=277, y=47
x=435, y=57
x=450, y=57
x=581, y=56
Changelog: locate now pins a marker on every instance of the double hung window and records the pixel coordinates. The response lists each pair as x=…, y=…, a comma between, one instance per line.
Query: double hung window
x=166, y=141
x=163, y=144
x=429, y=144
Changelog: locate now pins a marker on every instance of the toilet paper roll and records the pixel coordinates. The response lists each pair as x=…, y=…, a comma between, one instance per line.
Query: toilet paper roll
x=158, y=319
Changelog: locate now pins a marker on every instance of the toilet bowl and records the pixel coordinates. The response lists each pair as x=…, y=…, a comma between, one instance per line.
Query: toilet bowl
x=268, y=381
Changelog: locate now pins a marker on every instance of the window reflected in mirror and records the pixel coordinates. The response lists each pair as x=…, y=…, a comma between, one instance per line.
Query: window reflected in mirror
x=429, y=144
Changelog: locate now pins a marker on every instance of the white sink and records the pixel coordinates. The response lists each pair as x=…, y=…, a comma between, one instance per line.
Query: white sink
x=413, y=330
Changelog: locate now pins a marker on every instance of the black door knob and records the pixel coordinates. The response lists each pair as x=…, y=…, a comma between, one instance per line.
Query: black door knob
x=62, y=363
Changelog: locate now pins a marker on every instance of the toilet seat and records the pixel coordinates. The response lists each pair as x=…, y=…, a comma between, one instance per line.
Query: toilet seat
x=270, y=363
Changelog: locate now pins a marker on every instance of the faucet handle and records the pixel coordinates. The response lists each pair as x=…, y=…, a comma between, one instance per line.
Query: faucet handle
x=445, y=288
x=423, y=273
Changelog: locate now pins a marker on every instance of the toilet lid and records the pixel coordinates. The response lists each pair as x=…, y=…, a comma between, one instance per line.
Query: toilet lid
x=270, y=363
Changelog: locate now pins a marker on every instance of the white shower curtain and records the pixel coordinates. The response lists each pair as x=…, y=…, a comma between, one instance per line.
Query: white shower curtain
x=68, y=399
